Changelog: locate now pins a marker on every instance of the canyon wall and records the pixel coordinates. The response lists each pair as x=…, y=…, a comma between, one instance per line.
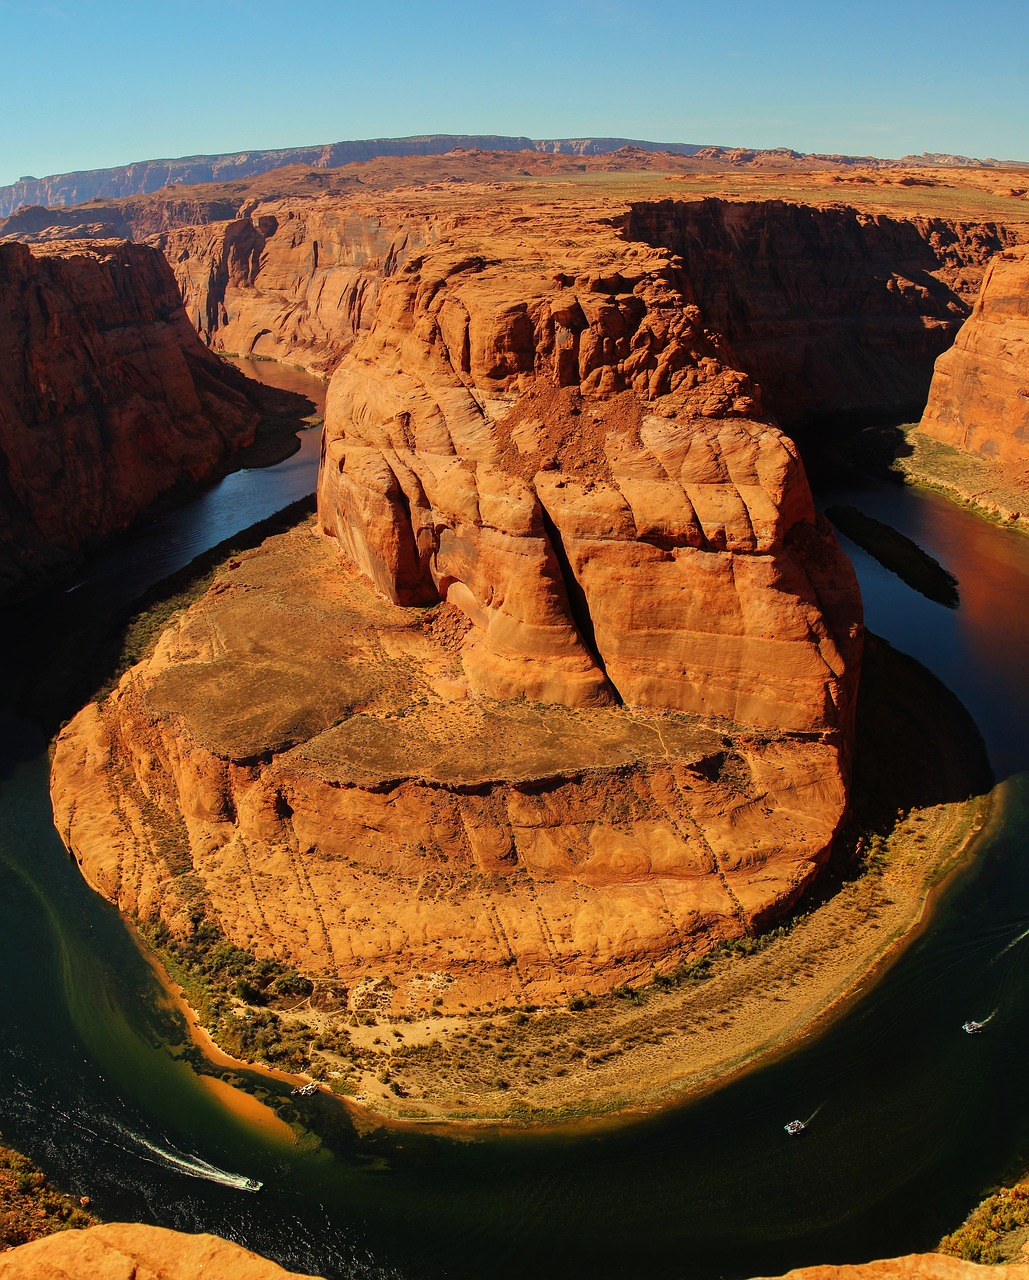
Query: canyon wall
x=151, y=175
x=832, y=311
x=107, y=398
x=292, y=281
x=979, y=399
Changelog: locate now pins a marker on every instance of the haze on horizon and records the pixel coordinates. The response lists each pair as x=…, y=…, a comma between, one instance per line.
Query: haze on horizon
x=96, y=83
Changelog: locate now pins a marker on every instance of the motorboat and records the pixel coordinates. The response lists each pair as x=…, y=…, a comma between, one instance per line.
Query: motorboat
x=305, y=1090
x=252, y=1184
x=795, y=1126
x=972, y=1027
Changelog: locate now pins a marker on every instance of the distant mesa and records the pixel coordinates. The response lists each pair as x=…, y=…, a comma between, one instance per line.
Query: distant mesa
x=143, y=176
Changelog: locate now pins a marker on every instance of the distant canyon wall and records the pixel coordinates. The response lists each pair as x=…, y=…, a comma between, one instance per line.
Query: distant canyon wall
x=833, y=312
x=145, y=176
x=107, y=398
x=291, y=281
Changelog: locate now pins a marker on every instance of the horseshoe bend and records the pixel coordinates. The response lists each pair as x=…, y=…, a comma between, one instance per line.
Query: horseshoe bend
x=557, y=694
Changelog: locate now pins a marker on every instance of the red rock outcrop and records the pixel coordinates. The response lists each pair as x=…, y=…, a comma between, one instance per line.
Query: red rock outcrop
x=570, y=457
x=304, y=765
x=107, y=398
x=132, y=1251
x=600, y=719
x=979, y=399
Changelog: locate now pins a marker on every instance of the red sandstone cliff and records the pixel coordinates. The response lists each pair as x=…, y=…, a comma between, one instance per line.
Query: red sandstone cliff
x=293, y=281
x=107, y=398
x=979, y=399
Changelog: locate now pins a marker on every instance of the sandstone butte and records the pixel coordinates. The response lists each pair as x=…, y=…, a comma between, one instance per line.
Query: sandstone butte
x=979, y=398
x=599, y=716
x=107, y=398
x=597, y=713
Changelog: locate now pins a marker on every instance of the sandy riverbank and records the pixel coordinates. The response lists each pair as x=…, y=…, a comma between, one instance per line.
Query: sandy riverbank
x=987, y=489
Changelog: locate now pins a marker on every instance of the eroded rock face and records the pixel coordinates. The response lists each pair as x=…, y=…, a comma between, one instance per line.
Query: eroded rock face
x=287, y=281
x=571, y=459
x=132, y=1251
x=305, y=764
x=107, y=398
x=979, y=399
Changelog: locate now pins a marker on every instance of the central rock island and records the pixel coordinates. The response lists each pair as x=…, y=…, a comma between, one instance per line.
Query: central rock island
x=560, y=693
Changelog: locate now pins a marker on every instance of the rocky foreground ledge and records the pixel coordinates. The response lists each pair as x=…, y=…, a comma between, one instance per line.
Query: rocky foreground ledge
x=131, y=1251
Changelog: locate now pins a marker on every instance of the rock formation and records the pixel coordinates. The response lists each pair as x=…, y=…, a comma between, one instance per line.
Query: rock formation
x=132, y=1251
x=151, y=175
x=979, y=399
x=599, y=717
x=107, y=398
x=915, y=1266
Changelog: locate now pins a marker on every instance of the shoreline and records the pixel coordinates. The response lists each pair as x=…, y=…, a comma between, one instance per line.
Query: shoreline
x=964, y=479
x=603, y=1098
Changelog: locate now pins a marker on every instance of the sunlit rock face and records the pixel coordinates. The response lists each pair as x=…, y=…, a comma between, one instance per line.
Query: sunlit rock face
x=562, y=694
x=979, y=399
x=107, y=398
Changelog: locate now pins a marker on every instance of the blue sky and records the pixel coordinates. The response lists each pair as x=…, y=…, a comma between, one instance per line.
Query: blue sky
x=91, y=84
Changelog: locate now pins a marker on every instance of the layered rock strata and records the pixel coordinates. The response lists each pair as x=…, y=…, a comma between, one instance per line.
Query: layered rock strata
x=598, y=714
x=979, y=399
x=306, y=765
x=107, y=398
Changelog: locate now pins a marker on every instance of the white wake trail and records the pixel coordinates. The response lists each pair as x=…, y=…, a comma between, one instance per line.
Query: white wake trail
x=1013, y=943
x=195, y=1167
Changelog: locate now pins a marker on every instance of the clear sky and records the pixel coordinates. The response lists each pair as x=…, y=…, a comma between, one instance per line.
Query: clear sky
x=92, y=83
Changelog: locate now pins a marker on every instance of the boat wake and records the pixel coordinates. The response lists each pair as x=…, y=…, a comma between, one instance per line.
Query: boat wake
x=1013, y=943
x=195, y=1167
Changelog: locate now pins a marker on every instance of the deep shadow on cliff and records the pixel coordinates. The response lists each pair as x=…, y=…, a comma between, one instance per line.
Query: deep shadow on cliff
x=838, y=314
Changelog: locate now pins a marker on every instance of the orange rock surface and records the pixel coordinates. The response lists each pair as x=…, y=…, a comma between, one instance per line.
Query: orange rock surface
x=107, y=397
x=979, y=399
x=131, y=1251
x=915, y=1266
x=305, y=764
x=553, y=442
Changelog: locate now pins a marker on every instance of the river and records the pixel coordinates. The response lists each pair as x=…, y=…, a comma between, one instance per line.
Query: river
x=914, y=1118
